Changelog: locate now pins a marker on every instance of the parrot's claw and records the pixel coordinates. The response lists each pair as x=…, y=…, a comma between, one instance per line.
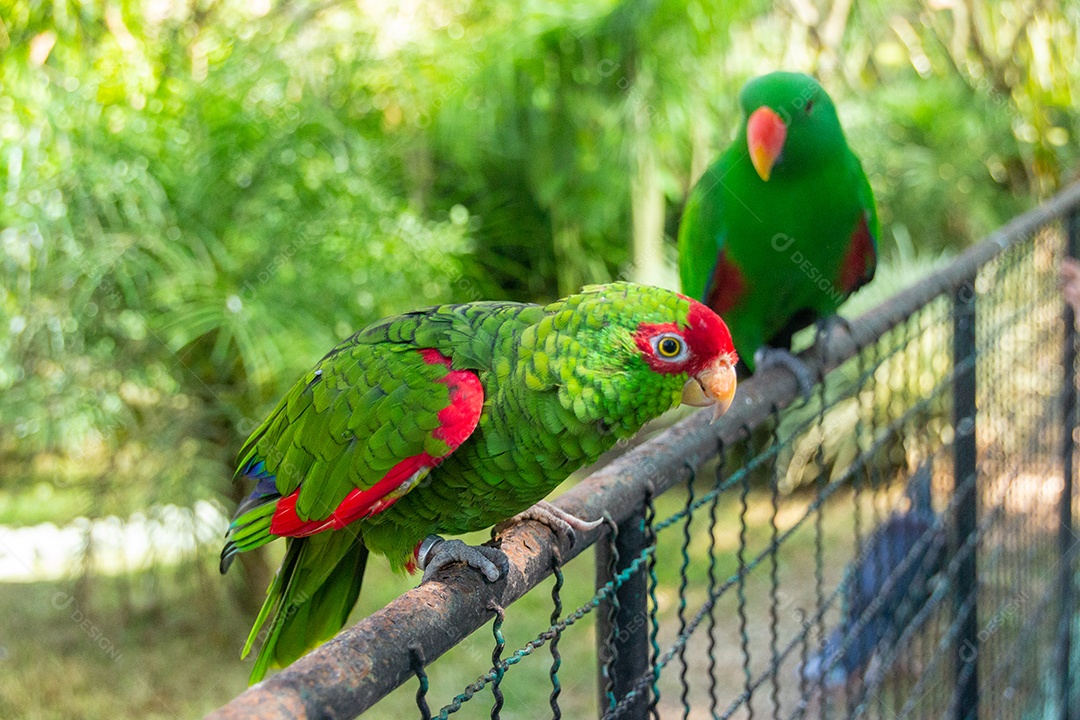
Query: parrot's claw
x=561, y=522
x=766, y=357
x=435, y=553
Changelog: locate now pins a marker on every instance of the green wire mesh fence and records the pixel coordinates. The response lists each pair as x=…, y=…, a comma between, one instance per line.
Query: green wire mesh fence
x=899, y=544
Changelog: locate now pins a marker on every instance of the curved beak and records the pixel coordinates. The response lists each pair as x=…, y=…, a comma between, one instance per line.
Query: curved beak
x=713, y=385
x=765, y=134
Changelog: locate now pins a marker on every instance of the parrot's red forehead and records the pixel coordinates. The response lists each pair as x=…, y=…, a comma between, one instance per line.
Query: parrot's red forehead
x=707, y=334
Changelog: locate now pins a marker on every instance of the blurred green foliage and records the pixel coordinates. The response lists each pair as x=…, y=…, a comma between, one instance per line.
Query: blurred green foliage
x=198, y=198
x=201, y=197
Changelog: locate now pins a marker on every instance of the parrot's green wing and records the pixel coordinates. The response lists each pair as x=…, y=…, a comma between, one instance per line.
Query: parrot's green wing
x=360, y=423
x=702, y=233
x=351, y=438
x=860, y=258
x=866, y=197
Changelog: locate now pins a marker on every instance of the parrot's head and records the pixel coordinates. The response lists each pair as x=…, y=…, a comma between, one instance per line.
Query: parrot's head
x=789, y=124
x=650, y=349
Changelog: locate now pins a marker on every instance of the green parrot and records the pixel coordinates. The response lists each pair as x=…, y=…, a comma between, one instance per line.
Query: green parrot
x=448, y=420
x=782, y=228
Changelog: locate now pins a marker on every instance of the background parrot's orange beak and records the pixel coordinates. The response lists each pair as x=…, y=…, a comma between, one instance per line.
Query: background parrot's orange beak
x=765, y=134
x=714, y=385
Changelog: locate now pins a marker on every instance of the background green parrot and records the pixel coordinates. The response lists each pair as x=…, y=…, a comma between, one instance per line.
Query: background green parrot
x=782, y=228
x=449, y=420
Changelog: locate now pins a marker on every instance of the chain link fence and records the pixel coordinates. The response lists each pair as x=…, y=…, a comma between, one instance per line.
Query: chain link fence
x=898, y=544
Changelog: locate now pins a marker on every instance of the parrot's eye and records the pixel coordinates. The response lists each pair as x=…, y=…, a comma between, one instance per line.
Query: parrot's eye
x=669, y=347
x=809, y=108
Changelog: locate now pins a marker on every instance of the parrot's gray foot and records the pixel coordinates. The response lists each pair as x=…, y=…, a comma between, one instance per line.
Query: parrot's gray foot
x=766, y=357
x=826, y=326
x=435, y=553
x=561, y=522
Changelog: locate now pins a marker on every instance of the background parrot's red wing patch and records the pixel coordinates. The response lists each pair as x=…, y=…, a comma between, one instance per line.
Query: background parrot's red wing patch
x=726, y=287
x=457, y=422
x=859, y=263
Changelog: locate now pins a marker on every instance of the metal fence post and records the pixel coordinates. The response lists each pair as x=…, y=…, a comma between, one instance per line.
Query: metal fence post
x=1065, y=537
x=624, y=652
x=965, y=459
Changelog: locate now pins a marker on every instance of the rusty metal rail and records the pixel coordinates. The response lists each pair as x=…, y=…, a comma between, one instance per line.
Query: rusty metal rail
x=365, y=662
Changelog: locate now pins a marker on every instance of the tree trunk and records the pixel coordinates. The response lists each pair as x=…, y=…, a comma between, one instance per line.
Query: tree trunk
x=648, y=218
x=647, y=203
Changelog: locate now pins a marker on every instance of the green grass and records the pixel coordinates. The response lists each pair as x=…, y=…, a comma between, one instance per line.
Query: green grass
x=159, y=645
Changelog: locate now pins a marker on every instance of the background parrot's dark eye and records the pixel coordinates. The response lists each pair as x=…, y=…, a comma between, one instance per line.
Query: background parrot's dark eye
x=669, y=347
x=809, y=106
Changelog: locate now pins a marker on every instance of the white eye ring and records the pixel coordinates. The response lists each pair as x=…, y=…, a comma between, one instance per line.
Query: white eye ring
x=669, y=347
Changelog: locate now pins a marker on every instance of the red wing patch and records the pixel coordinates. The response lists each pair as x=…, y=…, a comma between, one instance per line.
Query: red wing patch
x=860, y=260
x=726, y=287
x=457, y=422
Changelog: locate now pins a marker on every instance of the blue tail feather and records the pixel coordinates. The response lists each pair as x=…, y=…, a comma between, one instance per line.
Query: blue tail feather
x=246, y=531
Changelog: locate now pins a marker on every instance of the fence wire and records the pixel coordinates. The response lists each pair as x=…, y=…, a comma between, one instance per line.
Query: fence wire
x=830, y=479
x=873, y=427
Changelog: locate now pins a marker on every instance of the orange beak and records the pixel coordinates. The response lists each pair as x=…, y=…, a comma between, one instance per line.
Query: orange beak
x=713, y=385
x=765, y=134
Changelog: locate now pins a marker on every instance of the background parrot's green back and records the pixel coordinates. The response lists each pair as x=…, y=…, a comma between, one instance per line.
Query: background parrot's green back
x=788, y=238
